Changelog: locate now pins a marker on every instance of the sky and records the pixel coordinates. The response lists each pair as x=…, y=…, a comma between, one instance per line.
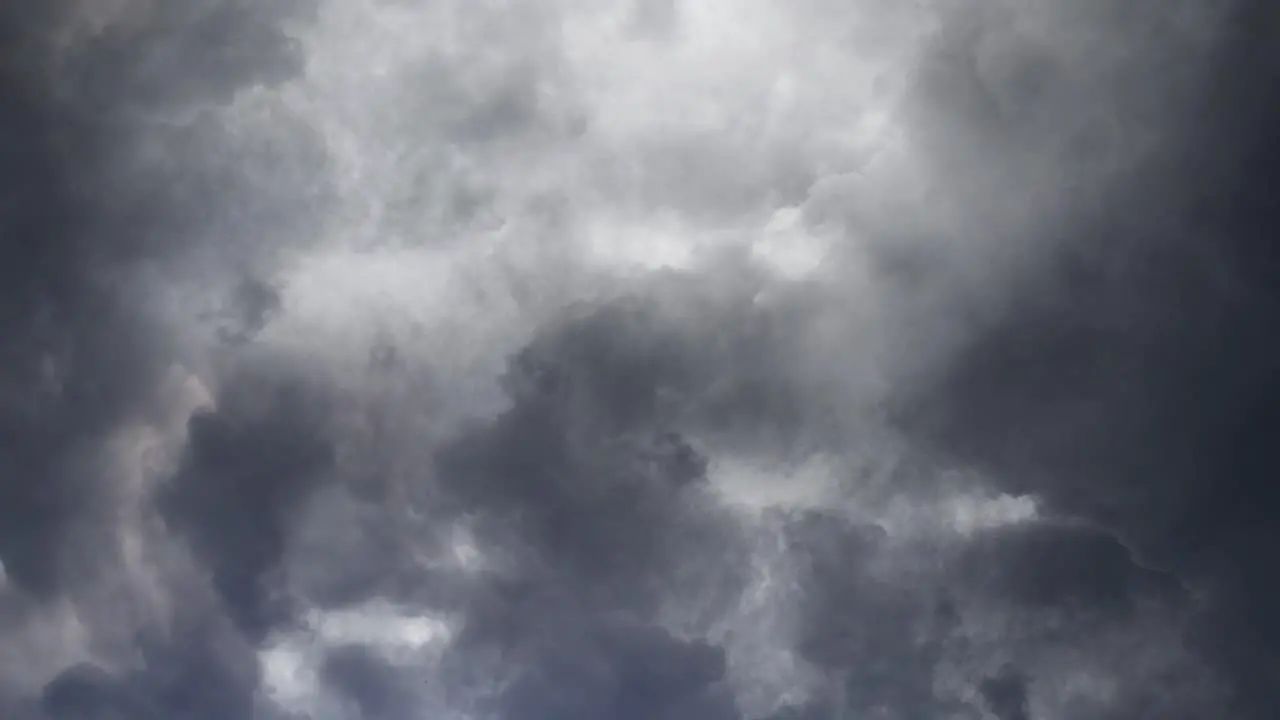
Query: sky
x=639, y=360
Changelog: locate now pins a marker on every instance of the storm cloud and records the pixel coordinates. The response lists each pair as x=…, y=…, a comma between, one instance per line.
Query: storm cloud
x=373, y=360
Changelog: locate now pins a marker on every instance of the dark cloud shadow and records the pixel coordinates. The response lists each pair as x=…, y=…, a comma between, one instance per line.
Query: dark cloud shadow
x=1133, y=382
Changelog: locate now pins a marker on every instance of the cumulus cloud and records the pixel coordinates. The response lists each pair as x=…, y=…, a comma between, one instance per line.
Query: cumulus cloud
x=387, y=359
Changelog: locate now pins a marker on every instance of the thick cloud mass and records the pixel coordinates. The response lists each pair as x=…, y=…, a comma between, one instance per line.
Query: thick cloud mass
x=638, y=359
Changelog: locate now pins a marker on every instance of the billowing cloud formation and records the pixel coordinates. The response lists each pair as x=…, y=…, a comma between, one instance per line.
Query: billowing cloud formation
x=657, y=359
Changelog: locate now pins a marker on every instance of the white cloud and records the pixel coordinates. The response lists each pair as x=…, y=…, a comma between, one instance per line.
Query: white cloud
x=291, y=660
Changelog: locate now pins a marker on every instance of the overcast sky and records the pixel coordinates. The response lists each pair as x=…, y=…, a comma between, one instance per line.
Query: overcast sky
x=639, y=360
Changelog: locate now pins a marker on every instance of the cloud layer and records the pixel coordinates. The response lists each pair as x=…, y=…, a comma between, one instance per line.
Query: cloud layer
x=556, y=360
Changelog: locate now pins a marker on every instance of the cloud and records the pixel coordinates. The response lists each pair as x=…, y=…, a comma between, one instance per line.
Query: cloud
x=1129, y=386
x=368, y=682
x=1006, y=695
x=92, y=404
x=635, y=359
x=618, y=670
x=250, y=462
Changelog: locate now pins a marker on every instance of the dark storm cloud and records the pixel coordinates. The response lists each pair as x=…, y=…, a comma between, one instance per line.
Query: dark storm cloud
x=1006, y=695
x=701, y=361
x=622, y=671
x=1046, y=565
x=598, y=499
x=377, y=689
x=74, y=361
x=90, y=692
x=876, y=641
x=1133, y=382
x=250, y=463
x=577, y=662
x=588, y=506
x=82, y=357
x=200, y=674
x=1014, y=610
x=1111, y=386
x=604, y=504
x=590, y=487
x=162, y=56
x=251, y=306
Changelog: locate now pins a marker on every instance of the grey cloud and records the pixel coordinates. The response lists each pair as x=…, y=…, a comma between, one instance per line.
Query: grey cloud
x=148, y=65
x=1003, y=619
x=593, y=511
x=87, y=691
x=86, y=361
x=1006, y=695
x=377, y=689
x=866, y=630
x=596, y=483
x=250, y=464
x=1072, y=315
x=872, y=637
x=204, y=673
x=1130, y=383
x=1072, y=568
x=249, y=310
x=655, y=19
x=703, y=176
x=597, y=665
x=54, y=398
